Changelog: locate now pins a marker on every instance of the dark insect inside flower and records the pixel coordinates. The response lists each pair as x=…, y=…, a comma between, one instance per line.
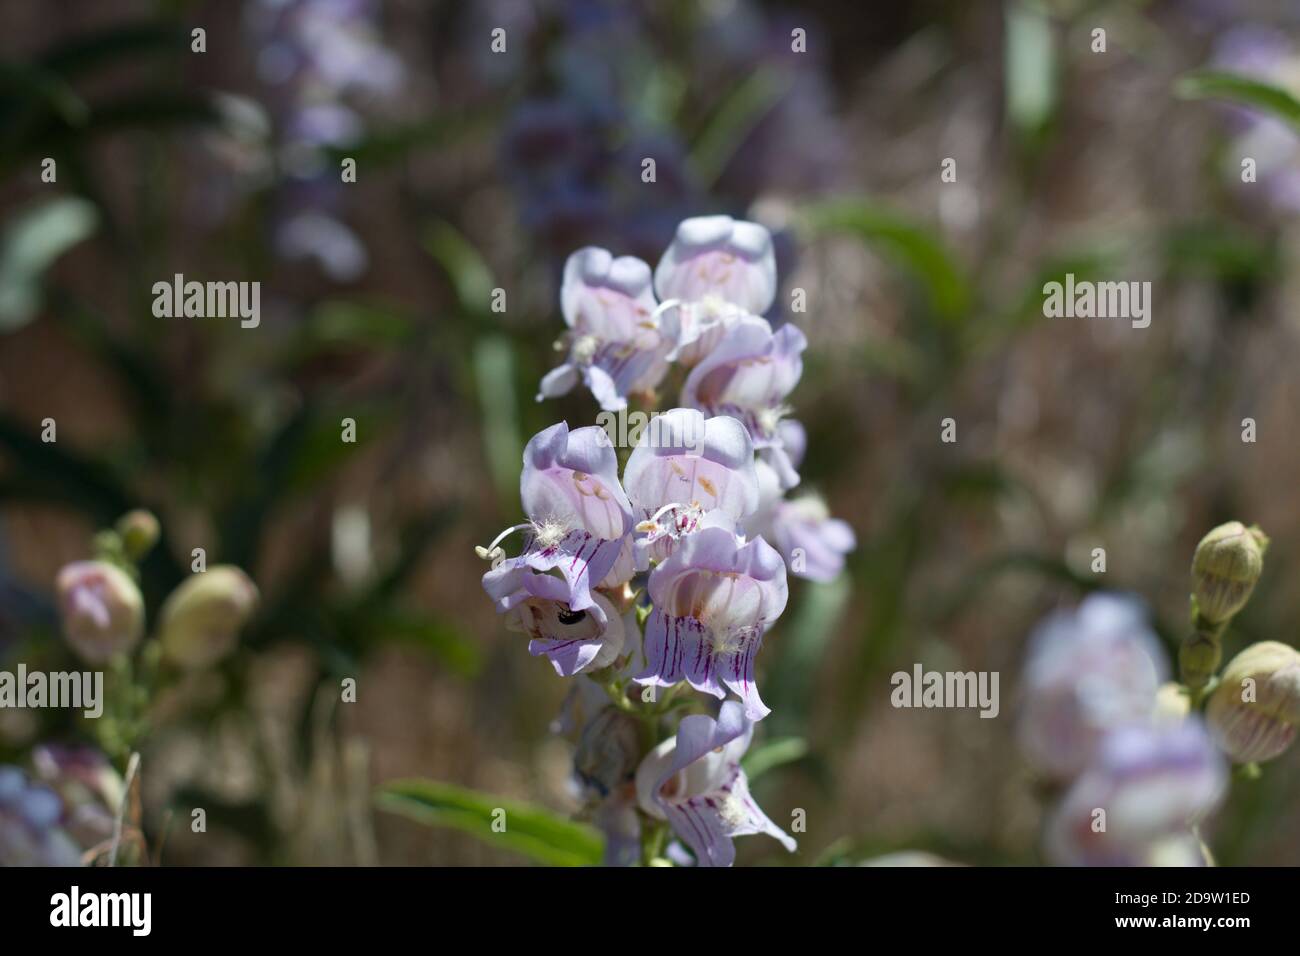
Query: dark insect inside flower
x=568, y=617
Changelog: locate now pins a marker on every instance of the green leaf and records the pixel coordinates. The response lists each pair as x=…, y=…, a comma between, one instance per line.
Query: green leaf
x=1030, y=68
x=524, y=827
x=394, y=143
x=437, y=635
x=30, y=246
x=803, y=640
x=347, y=324
x=464, y=265
x=119, y=43
x=773, y=754
x=1220, y=250
x=734, y=120
x=912, y=245
x=1219, y=85
x=494, y=363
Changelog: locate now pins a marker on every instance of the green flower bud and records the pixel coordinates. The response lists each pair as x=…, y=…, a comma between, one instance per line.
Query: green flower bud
x=139, y=532
x=1173, y=703
x=1228, y=562
x=1253, y=713
x=200, y=621
x=101, y=609
x=1198, y=659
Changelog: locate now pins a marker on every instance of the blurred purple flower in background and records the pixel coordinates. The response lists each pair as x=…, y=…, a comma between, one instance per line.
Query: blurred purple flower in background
x=30, y=824
x=594, y=109
x=1087, y=671
x=315, y=55
x=1138, y=799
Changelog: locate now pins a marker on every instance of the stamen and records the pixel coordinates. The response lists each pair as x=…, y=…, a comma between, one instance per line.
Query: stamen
x=493, y=552
x=665, y=306
x=654, y=519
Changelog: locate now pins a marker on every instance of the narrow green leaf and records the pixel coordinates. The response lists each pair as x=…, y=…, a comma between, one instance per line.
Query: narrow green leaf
x=1245, y=91
x=30, y=246
x=494, y=363
x=513, y=825
x=803, y=640
x=912, y=245
x=733, y=121
x=773, y=754
x=434, y=634
x=1030, y=67
x=464, y=265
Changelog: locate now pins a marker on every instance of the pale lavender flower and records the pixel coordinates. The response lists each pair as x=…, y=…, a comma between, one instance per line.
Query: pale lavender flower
x=721, y=259
x=698, y=327
x=694, y=781
x=1147, y=783
x=325, y=47
x=749, y=375
x=684, y=467
x=313, y=235
x=577, y=510
x=617, y=346
x=542, y=606
x=813, y=543
x=714, y=598
x=1088, y=671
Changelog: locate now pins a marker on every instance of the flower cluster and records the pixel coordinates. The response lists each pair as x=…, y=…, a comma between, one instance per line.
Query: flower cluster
x=1141, y=764
x=64, y=811
x=664, y=576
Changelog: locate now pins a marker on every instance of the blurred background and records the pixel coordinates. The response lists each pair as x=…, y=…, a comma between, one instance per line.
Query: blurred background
x=478, y=170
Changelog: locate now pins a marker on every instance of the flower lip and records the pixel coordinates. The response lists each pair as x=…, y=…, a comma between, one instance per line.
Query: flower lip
x=713, y=600
x=695, y=782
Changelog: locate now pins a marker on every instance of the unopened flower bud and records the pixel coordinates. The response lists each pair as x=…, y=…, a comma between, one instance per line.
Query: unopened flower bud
x=139, y=532
x=101, y=608
x=607, y=752
x=1253, y=713
x=1173, y=703
x=1198, y=658
x=200, y=620
x=1228, y=562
